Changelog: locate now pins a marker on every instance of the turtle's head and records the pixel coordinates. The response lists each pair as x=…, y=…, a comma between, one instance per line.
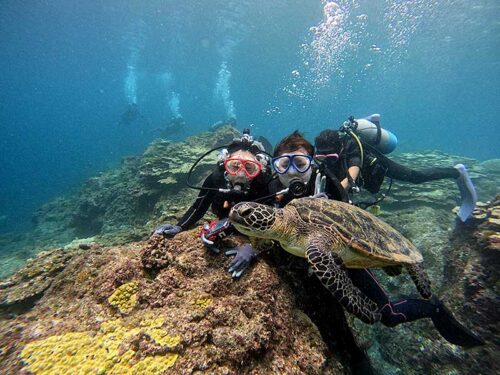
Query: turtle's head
x=254, y=219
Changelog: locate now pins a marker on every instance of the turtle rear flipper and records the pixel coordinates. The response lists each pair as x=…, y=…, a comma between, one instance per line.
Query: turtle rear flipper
x=330, y=270
x=420, y=278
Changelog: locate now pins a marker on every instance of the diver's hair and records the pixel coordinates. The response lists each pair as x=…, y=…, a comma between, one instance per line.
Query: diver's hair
x=292, y=143
x=328, y=140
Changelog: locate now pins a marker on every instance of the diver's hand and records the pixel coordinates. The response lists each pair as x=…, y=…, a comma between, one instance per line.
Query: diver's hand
x=320, y=195
x=167, y=230
x=244, y=255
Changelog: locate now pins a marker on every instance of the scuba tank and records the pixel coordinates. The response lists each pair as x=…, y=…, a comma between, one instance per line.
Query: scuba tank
x=368, y=129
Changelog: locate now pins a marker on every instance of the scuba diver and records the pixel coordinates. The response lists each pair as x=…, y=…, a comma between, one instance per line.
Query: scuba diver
x=356, y=155
x=131, y=115
x=242, y=174
x=175, y=126
x=294, y=163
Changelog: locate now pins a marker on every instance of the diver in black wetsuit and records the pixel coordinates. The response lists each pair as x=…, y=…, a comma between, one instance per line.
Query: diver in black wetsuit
x=241, y=174
x=293, y=162
x=132, y=115
x=367, y=167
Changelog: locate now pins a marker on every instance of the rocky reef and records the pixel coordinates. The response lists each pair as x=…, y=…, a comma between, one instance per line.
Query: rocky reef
x=119, y=205
x=157, y=305
x=463, y=264
x=99, y=296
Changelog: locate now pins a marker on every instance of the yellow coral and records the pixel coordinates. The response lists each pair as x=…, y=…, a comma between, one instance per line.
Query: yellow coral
x=85, y=353
x=154, y=365
x=162, y=338
x=153, y=322
x=203, y=302
x=125, y=297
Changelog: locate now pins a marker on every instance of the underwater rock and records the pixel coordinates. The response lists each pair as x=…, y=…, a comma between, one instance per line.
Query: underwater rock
x=488, y=232
x=22, y=289
x=121, y=203
x=165, y=164
x=182, y=312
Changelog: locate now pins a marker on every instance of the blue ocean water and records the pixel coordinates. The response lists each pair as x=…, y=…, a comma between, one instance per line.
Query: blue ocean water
x=69, y=69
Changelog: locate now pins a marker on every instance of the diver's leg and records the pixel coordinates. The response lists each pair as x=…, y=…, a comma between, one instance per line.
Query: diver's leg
x=458, y=173
x=409, y=310
x=393, y=313
x=402, y=173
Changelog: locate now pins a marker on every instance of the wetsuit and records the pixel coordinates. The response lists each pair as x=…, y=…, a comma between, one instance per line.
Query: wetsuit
x=393, y=312
x=258, y=188
x=376, y=166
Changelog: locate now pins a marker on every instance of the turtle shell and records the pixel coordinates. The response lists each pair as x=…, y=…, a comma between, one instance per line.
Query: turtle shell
x=358, y=229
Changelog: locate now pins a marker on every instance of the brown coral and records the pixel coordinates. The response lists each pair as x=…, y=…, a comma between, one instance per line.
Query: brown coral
x=244, y=326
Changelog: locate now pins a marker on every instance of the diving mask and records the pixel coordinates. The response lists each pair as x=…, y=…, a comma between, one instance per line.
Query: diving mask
x=326, y=156
x=234, y=166
x=300, y=162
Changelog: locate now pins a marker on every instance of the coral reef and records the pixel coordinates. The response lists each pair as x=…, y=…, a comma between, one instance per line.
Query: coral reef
x=166, y=164
x=120, y=205
x=124, y=298
x=139, y=307
x=29, y=283
x=109, y=351
x=189, y=316
x=464, y=269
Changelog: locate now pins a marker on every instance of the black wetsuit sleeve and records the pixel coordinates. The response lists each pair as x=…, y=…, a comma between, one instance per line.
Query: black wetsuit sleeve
x=200, y=205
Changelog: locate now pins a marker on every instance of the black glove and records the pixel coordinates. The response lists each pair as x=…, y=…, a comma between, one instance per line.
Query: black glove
x=168, y=230
x=244, y=255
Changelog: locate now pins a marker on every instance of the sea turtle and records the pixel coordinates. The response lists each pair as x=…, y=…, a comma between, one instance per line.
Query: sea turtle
x=333, y=235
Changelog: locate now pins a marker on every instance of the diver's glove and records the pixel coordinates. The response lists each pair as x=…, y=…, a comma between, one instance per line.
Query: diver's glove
x=168, y=230
x=467, y=192
x=244, y=255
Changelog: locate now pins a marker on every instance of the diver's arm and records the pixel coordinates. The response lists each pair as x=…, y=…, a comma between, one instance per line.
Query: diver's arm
x=354, y=173
x=200, y=205
x=353, y=163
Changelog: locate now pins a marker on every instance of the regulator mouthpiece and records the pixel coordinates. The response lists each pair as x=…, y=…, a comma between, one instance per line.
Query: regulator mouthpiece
x=297, y=187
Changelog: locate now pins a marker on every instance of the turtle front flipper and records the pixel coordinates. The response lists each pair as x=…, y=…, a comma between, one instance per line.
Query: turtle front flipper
x=420, y=278
x=330, y=270
x=393, y=270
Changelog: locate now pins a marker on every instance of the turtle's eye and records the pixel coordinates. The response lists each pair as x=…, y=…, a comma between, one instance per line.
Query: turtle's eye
x=245, y=211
